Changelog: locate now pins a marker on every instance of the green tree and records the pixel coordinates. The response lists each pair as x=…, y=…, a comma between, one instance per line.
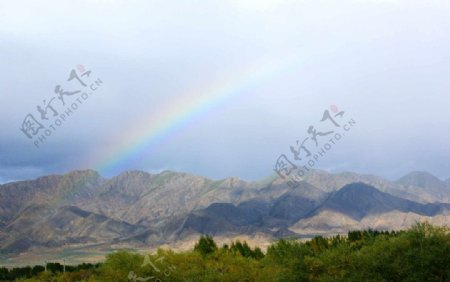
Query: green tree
x=205, y=245
x=37, y=269
x=119, y=265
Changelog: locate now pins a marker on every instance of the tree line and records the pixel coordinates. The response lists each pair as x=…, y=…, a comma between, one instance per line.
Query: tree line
x=421, y=253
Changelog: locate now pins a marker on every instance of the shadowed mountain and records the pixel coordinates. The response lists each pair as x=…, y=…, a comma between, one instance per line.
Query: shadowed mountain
x=410, y=190
x=360, y=206
x=296, y=203
x=359, y=200
x=225, y=219
x=222, y=218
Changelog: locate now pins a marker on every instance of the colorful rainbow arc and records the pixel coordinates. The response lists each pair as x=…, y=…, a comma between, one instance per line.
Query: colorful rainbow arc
x=157, y=127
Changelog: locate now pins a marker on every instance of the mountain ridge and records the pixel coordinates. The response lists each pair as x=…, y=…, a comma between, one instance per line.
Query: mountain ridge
x=147, y=209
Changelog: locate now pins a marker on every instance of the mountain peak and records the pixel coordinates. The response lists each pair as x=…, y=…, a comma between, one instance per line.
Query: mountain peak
x=358, y=200
x=358, y=187
x=421, y=179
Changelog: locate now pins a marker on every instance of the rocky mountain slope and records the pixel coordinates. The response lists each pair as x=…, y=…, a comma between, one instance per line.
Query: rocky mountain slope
x=136, y=208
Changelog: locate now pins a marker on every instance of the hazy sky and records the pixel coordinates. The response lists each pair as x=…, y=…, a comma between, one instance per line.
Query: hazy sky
x=222, y=88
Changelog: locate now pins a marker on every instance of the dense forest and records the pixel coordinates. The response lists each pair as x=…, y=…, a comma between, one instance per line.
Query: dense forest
x=421, y=253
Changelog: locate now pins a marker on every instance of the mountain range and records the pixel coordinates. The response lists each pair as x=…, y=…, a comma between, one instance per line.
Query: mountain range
x=139, y=209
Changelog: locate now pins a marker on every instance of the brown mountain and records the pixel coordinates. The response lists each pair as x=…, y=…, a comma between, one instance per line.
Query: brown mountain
x=137, y=208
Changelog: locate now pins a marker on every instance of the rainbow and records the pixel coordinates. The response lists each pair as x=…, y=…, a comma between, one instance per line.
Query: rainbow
x=157, y=127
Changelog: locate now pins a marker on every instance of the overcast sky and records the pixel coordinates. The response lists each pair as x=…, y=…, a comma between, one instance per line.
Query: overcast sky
x=280, y=65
